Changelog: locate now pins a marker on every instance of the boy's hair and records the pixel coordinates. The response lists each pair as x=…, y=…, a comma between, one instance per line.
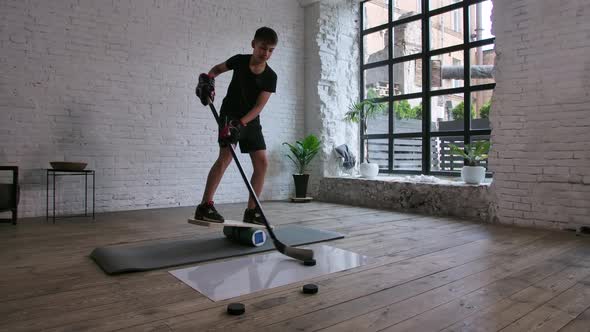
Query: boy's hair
x=266, y=35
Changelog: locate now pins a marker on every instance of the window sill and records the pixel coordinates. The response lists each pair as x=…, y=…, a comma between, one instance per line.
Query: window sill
x=419, y=179
x=446, y=196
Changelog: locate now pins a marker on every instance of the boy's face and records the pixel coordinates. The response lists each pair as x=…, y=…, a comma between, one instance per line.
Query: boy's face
x=262, y=50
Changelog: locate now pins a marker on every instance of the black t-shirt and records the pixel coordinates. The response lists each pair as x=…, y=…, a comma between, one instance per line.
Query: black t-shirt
x=245, y=86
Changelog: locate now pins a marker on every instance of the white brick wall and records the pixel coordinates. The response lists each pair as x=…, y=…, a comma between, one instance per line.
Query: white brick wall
x=331, y=75
x=112, y=83
x=541, y=112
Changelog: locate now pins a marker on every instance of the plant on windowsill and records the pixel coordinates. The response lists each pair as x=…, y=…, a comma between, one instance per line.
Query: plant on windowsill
x=473, y=154
x=360, y=112
x=302, y=153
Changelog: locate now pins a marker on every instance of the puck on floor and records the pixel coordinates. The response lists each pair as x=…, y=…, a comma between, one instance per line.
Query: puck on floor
x=310, y=289
x=309, y=262
x=236, y=308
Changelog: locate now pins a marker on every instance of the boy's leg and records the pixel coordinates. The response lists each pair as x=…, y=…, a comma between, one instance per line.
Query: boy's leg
x=260, y=164
x=216, y=173
x=206, y=210
x=252, y=142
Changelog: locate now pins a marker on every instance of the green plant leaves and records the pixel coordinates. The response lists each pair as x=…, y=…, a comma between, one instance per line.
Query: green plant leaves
x=371, y=109
x=473, y=153
x=303, y=152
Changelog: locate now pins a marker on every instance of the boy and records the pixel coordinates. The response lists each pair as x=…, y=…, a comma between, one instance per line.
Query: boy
x=251, y=85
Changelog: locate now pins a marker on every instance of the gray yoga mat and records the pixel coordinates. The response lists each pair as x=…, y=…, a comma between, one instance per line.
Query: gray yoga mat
x=158, y=254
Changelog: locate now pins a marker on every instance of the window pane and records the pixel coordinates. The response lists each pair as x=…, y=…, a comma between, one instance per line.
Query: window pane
x=443, y=160
x=378, y=152
x=375, y=46
x=407, y=154
x=376, y=82
x=407, y=77
x=408, y=116
x=434, y=4
x=447, y=71
x=378, y=121
x=447, y=112
x=441, y=157
x=407, y=39
x=376, y=13
x=482, y=64
x=474, y=139
x=446, y=29
x=406, y=8
x=482, y=104
x=480, y=22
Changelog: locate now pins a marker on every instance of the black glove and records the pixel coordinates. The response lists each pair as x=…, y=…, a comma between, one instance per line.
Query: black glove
x=206, y=88
x=230, y=133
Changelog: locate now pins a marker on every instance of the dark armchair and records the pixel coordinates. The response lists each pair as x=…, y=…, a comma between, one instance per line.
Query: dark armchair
x=9, y=195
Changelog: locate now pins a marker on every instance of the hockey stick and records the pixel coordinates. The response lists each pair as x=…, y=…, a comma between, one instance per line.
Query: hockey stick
x=297, y=253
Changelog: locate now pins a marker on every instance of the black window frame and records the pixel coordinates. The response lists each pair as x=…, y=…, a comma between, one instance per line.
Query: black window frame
x=426, y=95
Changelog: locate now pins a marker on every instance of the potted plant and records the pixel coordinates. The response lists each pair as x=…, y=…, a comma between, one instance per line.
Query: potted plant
x=360, y=112
x=473, y=153
x=302, y=153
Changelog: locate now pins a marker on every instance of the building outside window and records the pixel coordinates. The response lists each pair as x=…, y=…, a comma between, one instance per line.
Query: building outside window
x=428, y=71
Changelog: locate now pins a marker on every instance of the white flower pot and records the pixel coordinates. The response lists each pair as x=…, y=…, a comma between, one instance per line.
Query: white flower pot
x=473, y=174
x=369, y=170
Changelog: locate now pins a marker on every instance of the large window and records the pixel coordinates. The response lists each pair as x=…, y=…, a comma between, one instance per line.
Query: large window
x=431, y=63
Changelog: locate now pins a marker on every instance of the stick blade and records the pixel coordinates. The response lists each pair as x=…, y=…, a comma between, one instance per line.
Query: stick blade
x=298, y=253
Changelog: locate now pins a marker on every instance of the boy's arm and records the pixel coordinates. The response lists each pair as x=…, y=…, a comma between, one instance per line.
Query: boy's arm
x=218, y=69
x=260, y=102
x=206, y=88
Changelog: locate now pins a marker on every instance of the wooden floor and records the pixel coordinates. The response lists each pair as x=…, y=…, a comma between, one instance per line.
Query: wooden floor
x=431, y=274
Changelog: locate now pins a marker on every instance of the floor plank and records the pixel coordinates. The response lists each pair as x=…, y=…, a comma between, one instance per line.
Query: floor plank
x=580, y=324
x=426, y=272
x=341, y=289
x=501, y=314
x=531, y=286
x=383, y=308
x=558, y=312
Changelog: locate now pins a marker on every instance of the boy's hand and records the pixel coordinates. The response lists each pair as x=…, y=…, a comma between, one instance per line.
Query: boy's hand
x=206, y=88
x=230, y=133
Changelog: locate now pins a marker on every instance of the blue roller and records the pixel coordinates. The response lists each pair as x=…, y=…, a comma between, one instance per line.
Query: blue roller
x=246, y=236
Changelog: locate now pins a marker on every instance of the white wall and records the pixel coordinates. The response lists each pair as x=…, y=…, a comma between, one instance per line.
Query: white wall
x=331, y=79
x=112, y=83
x=541, y=113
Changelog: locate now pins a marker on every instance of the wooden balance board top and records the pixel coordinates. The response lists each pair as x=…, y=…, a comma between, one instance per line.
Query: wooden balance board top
x=229, y=223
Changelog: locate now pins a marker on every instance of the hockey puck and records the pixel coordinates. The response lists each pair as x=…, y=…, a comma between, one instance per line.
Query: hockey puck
x=310, y=289
x=236, y=308
x=309, y=262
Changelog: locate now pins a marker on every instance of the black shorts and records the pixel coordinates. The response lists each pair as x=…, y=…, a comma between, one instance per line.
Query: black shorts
x=251, y=138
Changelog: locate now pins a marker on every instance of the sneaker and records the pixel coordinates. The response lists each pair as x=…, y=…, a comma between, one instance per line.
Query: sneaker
x=207, y=212
x=252, y=216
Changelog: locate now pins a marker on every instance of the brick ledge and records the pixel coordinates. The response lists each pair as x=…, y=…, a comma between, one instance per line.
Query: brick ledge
x=452, y=198
x=442, y=181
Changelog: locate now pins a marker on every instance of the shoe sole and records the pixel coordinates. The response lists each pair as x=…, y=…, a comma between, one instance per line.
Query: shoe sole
x=210, y=220
x=253, y=223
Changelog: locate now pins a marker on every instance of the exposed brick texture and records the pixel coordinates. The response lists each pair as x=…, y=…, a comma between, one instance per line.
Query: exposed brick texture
x=112, y=83
x=541, y=113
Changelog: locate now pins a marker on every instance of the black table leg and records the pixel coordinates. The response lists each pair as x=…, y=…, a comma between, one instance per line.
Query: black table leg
x=47, y=201
x=93, y=193
x=54, y=197
x=85, y=194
